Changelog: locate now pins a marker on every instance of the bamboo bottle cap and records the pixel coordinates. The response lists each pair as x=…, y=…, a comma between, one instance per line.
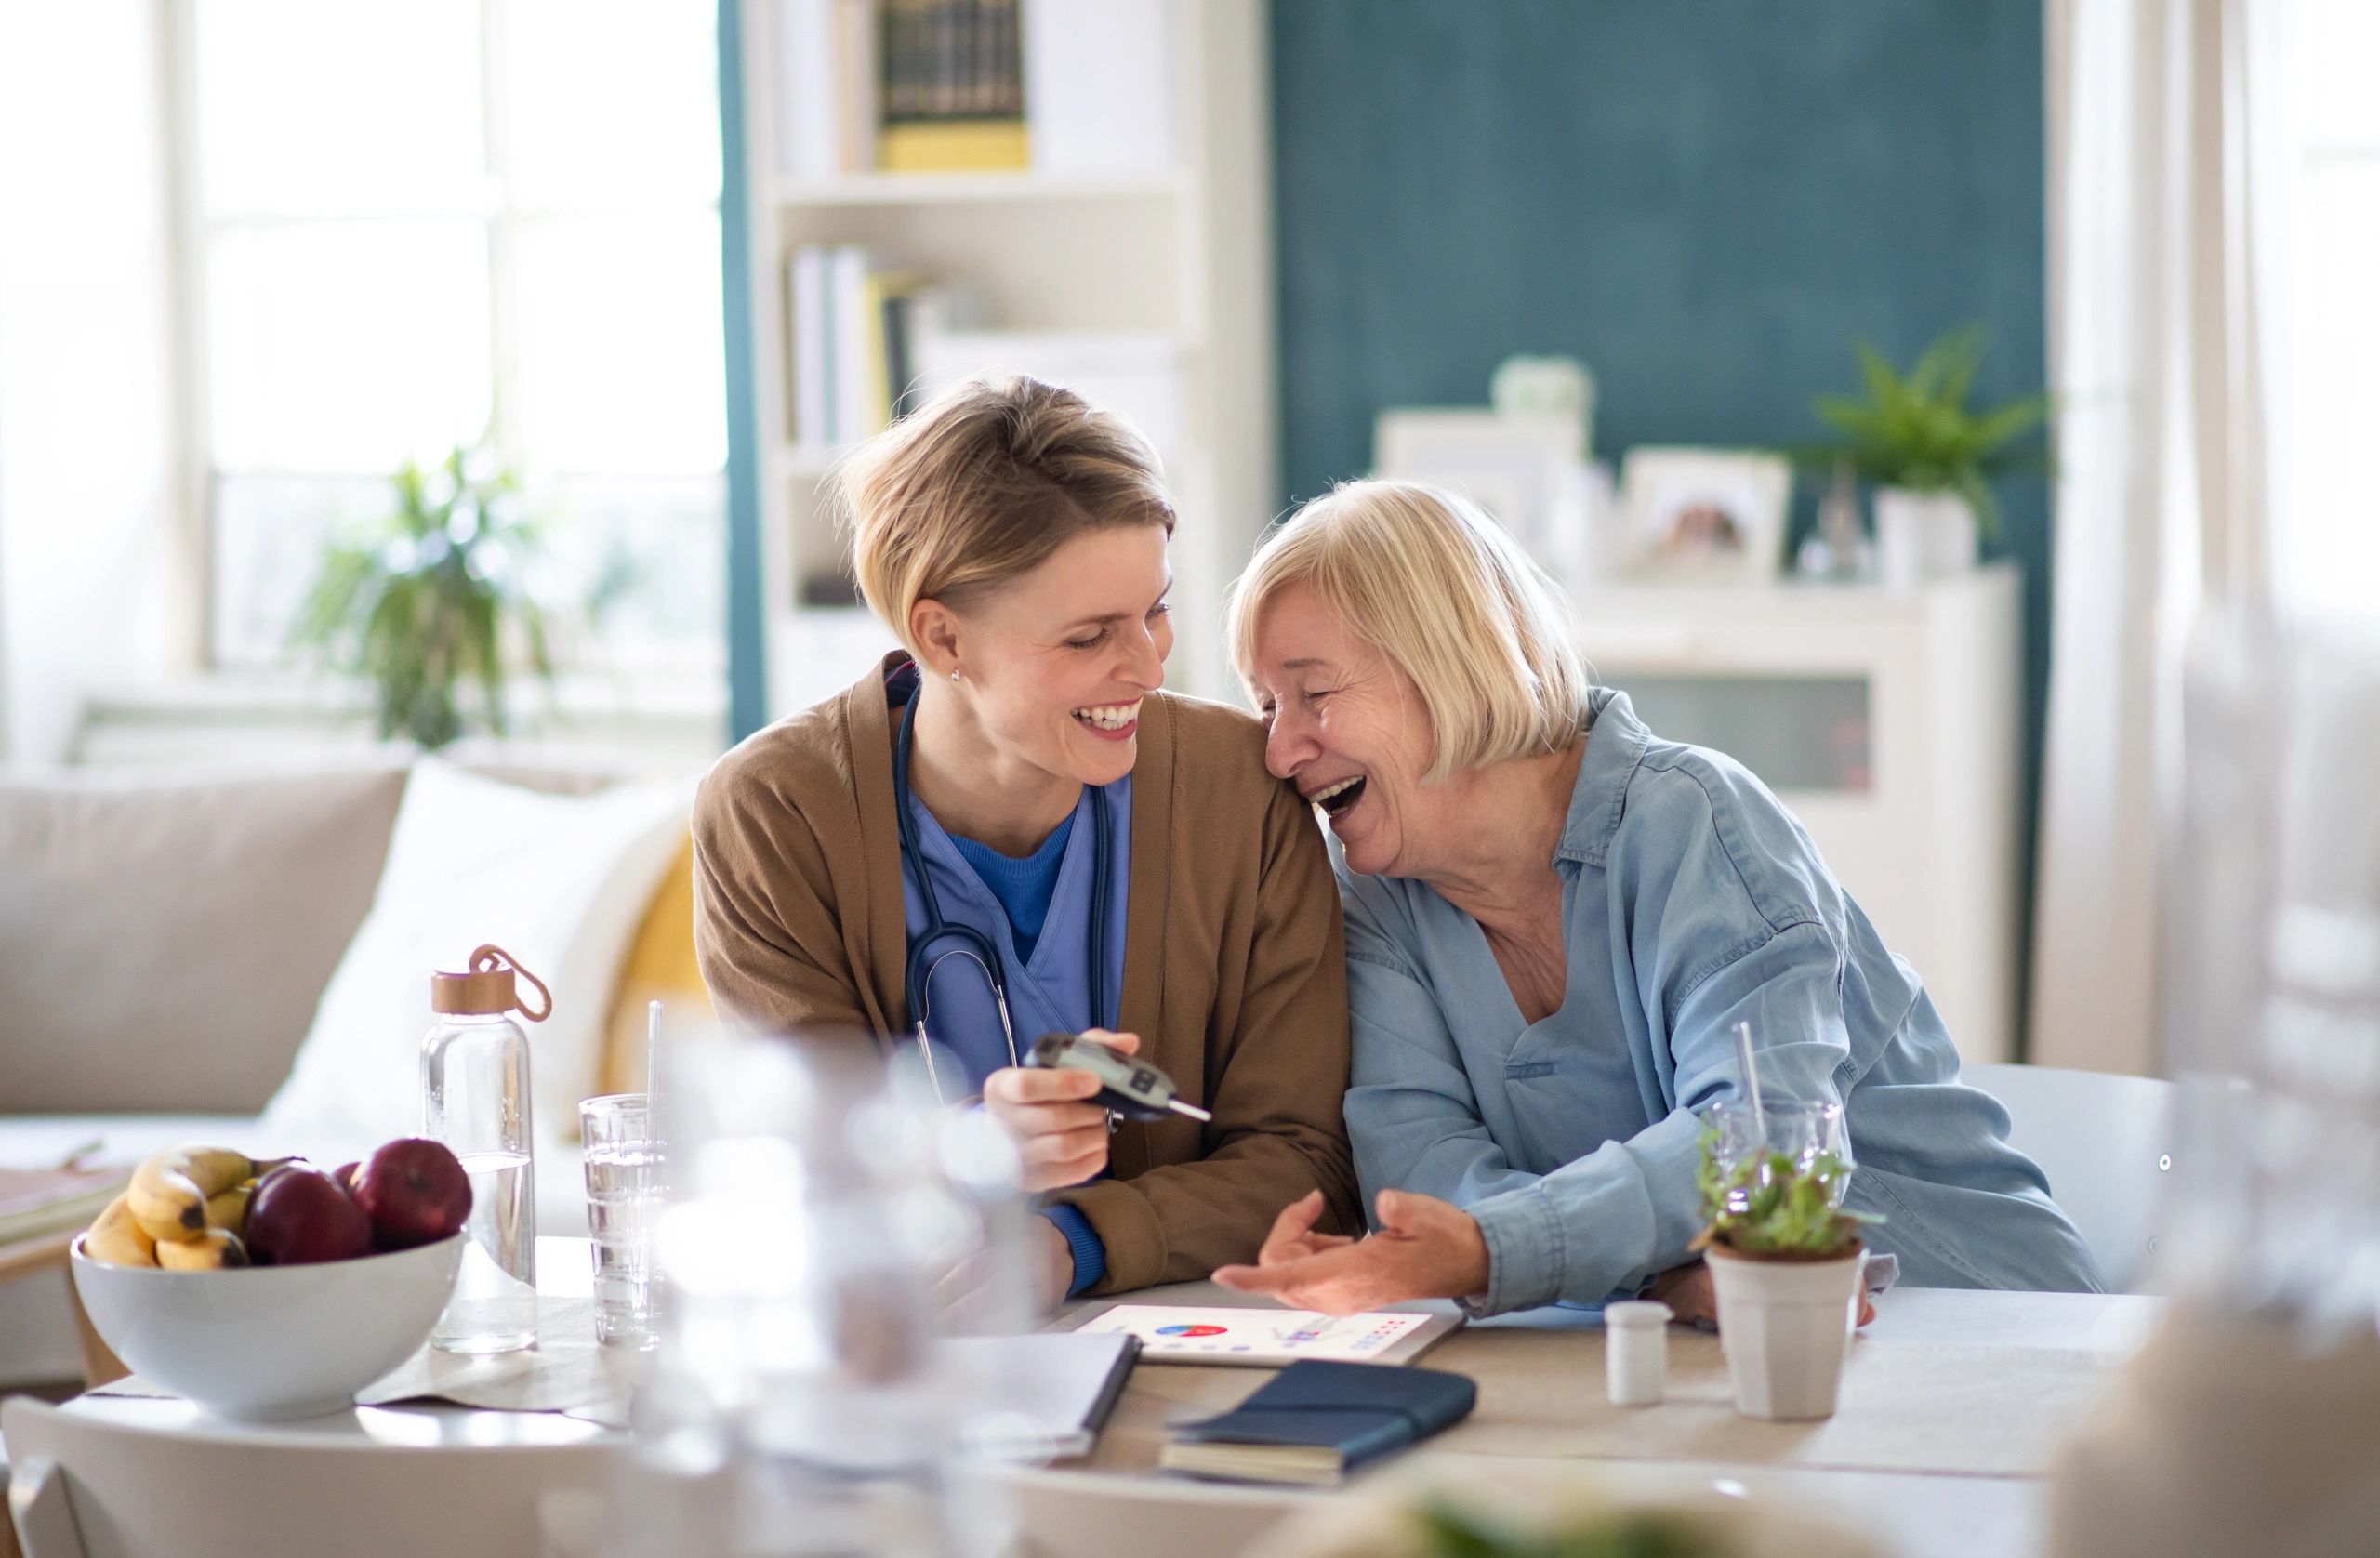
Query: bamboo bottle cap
x=488, y=989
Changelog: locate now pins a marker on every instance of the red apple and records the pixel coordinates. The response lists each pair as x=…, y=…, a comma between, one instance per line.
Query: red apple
x=414, y=1191
x=299, y=1215
x=345, y=1175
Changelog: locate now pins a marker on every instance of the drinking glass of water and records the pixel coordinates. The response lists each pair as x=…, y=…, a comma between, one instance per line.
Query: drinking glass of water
x=626, y=1187
x=1801, y=1133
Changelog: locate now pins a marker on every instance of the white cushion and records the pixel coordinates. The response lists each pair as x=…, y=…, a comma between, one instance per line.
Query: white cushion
x=560, y=882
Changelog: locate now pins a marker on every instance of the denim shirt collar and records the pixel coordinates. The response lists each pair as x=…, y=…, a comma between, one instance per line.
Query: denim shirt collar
x=1616, y=742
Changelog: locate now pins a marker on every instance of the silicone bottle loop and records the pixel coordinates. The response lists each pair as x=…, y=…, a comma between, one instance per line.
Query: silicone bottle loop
x=487, y=959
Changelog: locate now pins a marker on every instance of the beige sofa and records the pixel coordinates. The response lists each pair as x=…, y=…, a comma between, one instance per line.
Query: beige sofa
x=165, y=943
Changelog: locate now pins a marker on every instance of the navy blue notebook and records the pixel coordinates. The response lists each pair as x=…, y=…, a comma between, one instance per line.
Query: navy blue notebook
x=1316, y=1420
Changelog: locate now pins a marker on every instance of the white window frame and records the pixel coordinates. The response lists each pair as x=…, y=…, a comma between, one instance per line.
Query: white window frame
x=503, y=219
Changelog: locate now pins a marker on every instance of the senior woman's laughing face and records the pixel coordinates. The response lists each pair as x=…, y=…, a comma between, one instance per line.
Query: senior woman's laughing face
x=1347, y=728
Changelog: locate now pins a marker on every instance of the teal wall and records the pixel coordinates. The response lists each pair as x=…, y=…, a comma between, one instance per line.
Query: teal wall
x=1703, y=200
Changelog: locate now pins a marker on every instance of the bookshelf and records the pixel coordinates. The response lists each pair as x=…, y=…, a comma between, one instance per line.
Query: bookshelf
x=1169, y=263
x=960, y=188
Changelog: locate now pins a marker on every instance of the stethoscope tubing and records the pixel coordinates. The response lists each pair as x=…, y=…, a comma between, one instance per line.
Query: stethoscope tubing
x=923, y=961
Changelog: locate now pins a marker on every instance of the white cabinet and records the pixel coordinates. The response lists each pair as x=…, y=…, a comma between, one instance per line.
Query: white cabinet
x=1179, y=256
x=1889, y=722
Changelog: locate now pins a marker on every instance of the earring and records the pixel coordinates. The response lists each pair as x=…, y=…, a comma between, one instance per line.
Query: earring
x=954, y=676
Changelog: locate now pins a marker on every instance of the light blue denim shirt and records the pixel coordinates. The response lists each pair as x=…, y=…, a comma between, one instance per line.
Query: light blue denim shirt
x=1691, y=900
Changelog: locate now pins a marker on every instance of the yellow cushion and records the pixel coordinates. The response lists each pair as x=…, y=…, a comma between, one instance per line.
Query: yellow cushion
x=659, y=966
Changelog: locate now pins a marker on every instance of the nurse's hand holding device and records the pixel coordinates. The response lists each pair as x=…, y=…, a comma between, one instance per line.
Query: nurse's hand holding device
x=1061, y=1131
x=1128, y=1089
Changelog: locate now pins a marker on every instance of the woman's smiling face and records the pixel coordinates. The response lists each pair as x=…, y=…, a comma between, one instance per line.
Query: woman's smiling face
x=1347, y=728
x=1057, y=660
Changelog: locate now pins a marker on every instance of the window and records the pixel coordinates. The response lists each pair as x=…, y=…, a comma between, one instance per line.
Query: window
x=414, y=219
x=2326, y=405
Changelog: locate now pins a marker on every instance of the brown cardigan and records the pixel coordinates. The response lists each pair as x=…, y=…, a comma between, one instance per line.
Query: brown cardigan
x=1235, y=973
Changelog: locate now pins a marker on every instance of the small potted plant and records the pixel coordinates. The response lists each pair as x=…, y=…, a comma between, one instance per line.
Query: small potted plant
x=1932, y=458
x=1786, y=1262
x=434, y=598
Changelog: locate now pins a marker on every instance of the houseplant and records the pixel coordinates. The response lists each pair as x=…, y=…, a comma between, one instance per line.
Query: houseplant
x=434, y=598
x=1931, y=459
x=1785, y=1260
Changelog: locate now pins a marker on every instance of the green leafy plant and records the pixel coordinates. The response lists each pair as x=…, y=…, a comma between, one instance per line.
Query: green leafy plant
x=434, y=598
x=1916, y=431
x=1451, y=1532
x=1769, y=1208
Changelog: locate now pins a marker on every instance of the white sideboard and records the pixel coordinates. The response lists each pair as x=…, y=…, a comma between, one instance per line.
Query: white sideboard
x=1887, y=721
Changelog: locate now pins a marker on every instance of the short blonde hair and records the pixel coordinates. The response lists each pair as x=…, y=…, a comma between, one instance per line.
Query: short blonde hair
x=982, y=484
x=1441, y=589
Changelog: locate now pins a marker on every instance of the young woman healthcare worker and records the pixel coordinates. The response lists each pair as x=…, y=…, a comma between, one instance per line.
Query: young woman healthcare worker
x=1006, y=829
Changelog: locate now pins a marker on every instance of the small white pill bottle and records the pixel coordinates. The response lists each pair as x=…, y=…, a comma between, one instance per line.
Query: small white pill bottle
x=1636, y=1352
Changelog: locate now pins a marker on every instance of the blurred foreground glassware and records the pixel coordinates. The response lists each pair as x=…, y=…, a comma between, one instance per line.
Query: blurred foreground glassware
x=2251, y=1423
x=828, y=1235
x=625, y=1184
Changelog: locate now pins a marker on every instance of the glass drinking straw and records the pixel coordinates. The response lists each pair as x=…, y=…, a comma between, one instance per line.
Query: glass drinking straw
x=1751, y=1085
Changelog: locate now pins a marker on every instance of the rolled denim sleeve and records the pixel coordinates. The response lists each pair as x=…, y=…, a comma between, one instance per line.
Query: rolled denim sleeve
x=1595, y=1227
x=1613, y=1220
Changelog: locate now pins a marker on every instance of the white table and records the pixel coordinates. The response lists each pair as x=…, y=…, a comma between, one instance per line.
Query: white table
x=449, y=1480
x=1075, y=1510
x=1919, y=1514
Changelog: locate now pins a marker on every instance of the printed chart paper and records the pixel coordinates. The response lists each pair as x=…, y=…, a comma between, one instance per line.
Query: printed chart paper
x=1267, y=1337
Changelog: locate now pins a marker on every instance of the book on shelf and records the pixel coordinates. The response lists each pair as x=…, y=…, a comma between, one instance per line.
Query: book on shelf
x=1065, y=87
x=807, y=136
x=851, y=353
x=855, y=329
x=806, y=318
x=951, y=86
x=857, y=38
x=827, y=75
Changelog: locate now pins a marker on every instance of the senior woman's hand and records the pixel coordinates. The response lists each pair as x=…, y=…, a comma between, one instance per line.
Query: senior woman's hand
x=1425, y=1248
x=1061, y=1136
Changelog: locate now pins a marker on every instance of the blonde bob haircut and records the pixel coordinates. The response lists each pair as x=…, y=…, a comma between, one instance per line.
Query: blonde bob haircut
x=1444, y=593
x=981, y=485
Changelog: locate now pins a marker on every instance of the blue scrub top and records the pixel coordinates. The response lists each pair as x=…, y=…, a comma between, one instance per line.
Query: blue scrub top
x=1047, y=993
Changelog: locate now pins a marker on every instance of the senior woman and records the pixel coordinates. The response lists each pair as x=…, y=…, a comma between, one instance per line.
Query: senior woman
x=1555, y=921
x=1007, y=828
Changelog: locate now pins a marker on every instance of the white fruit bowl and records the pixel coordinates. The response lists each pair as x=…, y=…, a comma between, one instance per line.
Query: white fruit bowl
x=268, y=1343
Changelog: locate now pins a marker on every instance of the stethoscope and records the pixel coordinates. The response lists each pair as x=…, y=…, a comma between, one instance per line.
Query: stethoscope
x=973, y=944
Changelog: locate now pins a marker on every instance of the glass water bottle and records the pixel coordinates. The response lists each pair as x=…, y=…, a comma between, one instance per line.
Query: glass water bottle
x=475, y=1099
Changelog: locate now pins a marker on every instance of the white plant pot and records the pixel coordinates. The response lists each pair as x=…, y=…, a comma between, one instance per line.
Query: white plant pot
x=1785, y=1327
x=1923, y=536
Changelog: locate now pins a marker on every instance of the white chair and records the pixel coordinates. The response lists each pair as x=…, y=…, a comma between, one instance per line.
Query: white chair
x=2105, y=1142
x=84, y=1485
x=1085, y=1514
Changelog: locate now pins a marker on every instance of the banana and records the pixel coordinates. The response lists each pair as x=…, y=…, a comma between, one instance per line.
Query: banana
x=212, y=1250
x=117, y=1239
x=227, y=1209
x=169, y=1192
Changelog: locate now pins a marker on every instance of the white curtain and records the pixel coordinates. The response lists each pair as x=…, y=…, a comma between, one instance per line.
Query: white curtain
x=2162, y=132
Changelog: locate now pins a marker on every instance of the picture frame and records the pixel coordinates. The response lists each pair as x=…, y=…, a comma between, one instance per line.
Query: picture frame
x=1705, y=515
x=1526, y=469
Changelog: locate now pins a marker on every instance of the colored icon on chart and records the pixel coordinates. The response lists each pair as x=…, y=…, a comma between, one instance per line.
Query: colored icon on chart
x=1189, y=1330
